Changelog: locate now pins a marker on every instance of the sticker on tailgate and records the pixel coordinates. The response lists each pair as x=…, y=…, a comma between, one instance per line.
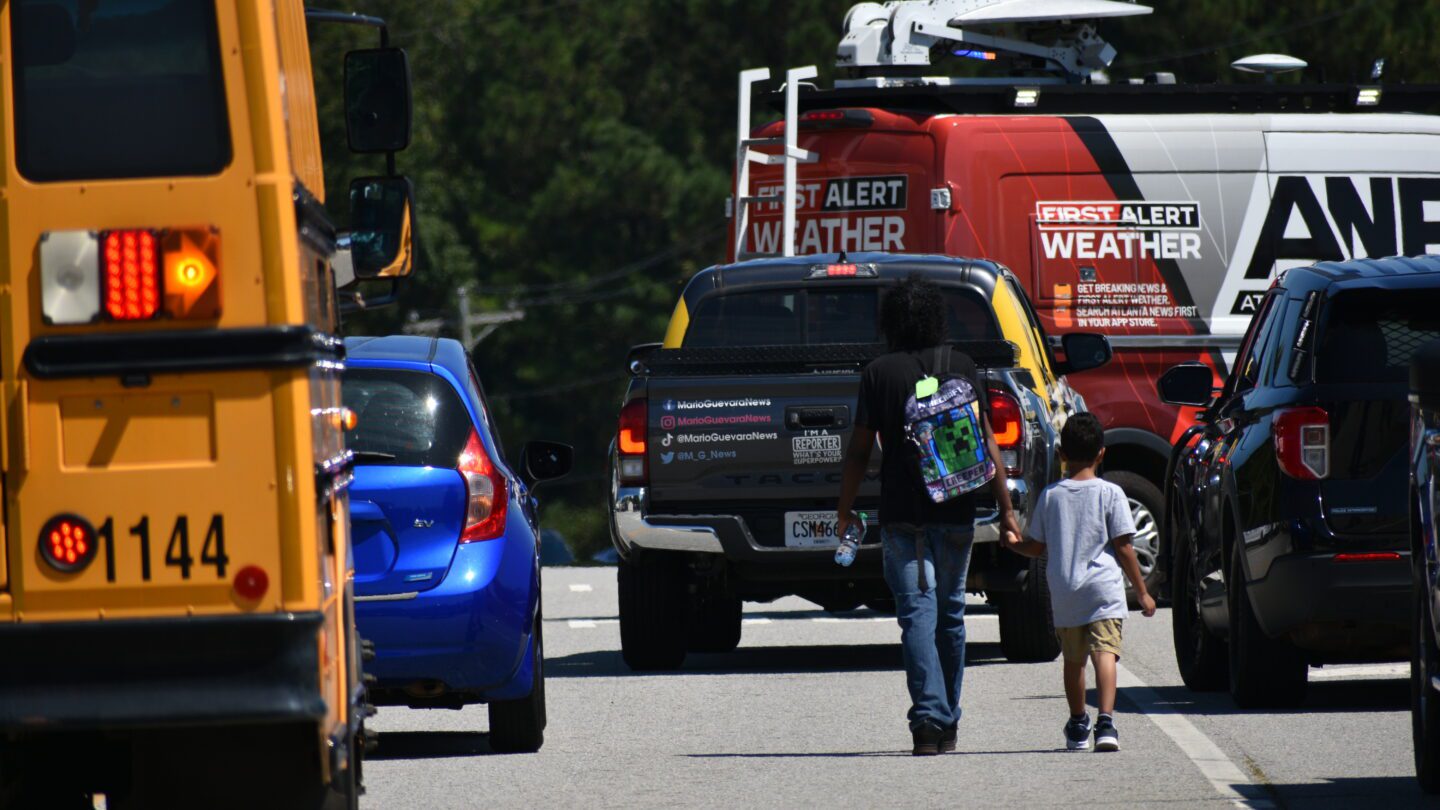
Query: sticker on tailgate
x=823, y=449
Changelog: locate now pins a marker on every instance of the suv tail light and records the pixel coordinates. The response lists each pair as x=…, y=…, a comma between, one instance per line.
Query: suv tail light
x=1302, y=442
x=485, y=490
x=634, y=426
x=1007, y=421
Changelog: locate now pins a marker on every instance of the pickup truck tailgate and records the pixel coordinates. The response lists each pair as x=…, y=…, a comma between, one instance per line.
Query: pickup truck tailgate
x=717, y=439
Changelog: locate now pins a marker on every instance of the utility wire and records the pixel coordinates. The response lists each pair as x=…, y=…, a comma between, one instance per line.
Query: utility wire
x=563, y=388
x=677, y=249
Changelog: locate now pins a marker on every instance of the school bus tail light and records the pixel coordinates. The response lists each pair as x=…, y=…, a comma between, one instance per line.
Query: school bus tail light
x=69, y=277
x=67, y=543
x=129, y=275
x=192, y=273
x=130, y=264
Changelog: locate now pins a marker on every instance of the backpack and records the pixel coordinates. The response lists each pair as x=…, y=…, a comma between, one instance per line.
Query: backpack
x=943, y=432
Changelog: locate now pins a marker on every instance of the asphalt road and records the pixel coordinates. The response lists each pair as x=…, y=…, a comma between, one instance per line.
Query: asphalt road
x=810, y=711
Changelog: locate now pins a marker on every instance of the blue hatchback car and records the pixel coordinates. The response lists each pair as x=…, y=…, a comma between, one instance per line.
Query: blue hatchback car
x=446, y=551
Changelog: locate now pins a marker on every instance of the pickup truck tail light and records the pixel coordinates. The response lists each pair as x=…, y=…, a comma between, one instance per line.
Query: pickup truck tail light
x=1302, y=442
x=485, y=493
x=634, y=427
x=1007, y=421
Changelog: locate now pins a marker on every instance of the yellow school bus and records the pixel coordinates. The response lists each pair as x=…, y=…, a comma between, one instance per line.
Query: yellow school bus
x=175, y=624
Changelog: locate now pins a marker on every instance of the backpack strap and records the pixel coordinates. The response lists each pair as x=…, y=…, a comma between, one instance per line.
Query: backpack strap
x=942, y=361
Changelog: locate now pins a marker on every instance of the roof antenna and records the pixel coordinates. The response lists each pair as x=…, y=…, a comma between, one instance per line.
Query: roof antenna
x=841, y=260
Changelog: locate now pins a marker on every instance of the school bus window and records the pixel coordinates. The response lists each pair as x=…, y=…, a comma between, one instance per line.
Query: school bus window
x=118, y=88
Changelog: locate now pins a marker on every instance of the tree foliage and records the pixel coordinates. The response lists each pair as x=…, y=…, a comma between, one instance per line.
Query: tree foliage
x=572, y=159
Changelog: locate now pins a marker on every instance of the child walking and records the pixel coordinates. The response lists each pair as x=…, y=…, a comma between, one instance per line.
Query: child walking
x=1085, y=523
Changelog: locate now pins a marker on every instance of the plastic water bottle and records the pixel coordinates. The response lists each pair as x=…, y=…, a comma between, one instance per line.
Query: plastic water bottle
x=850, y=543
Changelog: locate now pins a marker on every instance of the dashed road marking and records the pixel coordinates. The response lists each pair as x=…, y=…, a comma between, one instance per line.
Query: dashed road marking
x=581, y=624
x=1358, y=671
x=1224, y=775
x=581, y=588
x=755, y=621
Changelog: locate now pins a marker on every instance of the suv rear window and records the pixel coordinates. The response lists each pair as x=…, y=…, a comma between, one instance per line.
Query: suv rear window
x=810, y=316
x=1369, y=336
x=415, y=417
x=118, y=88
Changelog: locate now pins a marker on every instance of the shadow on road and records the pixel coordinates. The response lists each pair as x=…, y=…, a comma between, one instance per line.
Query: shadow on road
x=853, y=754
x=758, y=660
x=430, y=744
x=1358, y=695
x=1347, y=792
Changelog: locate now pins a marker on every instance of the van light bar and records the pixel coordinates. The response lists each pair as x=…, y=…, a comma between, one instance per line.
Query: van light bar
x=831, y=119
x=845, y=270
x=1367, y=556
x=984, y=56
x=1027, y=96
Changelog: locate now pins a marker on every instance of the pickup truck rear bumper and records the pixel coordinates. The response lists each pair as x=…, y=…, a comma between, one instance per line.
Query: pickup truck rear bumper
x=728, y=535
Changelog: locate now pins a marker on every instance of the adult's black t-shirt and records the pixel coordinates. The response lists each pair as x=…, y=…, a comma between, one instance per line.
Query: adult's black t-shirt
x=885, y=385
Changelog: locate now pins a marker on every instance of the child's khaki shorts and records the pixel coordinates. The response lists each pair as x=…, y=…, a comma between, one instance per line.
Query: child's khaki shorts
x=1076, y=643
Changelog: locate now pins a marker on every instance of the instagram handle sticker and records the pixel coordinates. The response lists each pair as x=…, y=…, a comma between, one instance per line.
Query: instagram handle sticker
x=667, y=422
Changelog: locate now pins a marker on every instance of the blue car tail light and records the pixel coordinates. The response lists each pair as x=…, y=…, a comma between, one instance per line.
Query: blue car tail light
x=486, y=497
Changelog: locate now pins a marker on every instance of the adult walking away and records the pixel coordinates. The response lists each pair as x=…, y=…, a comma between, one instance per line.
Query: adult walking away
x=925, y=399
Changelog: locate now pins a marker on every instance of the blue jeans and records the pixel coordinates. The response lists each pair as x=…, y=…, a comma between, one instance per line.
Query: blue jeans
x=932, y=619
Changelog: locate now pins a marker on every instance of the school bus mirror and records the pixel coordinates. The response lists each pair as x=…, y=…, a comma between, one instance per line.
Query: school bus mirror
x=1084, y=351
x=377, y=100
x=49, y=34
x=381, y=236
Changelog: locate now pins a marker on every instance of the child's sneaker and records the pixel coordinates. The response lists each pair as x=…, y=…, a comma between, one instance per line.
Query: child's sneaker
x=1106, y=737
x=1077, y=733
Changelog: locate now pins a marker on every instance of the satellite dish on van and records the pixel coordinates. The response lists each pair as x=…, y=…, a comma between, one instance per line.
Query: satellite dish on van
x=1269, y=64
x=903, y=32
x=1046, y=10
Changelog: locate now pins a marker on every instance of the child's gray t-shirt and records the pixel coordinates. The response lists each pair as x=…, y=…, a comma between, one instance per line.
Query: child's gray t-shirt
x=1077, y=520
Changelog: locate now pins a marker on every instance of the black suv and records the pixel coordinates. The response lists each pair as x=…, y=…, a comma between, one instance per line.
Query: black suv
x=1294, y=483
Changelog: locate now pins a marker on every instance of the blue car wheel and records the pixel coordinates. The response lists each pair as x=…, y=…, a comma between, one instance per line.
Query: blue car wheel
x=518, y=726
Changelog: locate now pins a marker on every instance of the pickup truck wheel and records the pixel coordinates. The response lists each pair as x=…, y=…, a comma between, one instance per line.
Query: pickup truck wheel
x=1424, y=702
x=1264, y=672
x=653, y=610
x=1026, y=631
x=1199, y=653
x=1147, y=509
x=518, y=726
x=716, y=627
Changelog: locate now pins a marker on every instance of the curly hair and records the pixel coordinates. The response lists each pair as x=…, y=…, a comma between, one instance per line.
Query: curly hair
x=912, y=315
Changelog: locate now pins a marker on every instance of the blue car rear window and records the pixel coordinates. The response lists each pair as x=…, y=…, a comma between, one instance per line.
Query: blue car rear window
x=411, y=415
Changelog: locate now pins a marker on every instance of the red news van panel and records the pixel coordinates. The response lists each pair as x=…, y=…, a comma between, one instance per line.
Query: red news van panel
x=1159, y=219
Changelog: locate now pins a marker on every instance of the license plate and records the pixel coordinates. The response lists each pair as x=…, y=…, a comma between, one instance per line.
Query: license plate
x=812, y=529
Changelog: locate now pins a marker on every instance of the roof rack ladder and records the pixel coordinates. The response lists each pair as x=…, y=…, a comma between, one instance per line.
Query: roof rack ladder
x=745, y=154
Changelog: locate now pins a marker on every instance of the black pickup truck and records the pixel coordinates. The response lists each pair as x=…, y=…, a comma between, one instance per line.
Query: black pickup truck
x=728, y=458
